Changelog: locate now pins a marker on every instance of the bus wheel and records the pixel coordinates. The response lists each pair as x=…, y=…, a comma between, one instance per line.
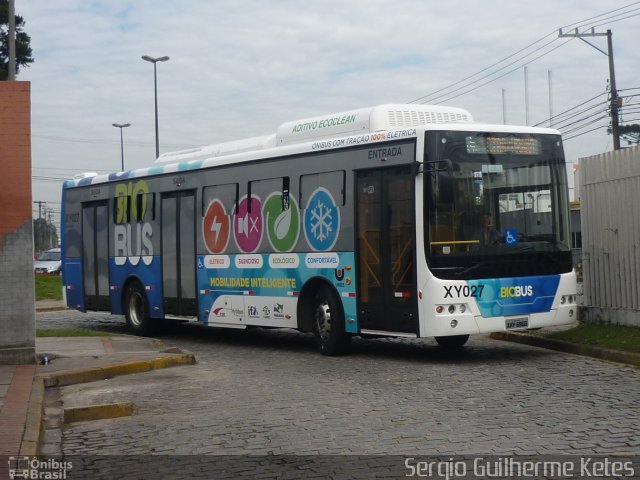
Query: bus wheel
x=136, y=310
x=328, y=323
x=454, y=341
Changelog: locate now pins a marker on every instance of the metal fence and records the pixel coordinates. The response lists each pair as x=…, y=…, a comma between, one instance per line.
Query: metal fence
x=610, y=217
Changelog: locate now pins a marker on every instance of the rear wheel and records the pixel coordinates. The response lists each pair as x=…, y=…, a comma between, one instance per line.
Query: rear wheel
x=136, y=310
x=328, y=323
x=454, y=341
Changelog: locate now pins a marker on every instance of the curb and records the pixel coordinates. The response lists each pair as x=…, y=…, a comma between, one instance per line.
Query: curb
x=33, y=424
x=72, y=377
x=35, y=410
x=98, y=412
x=50, y=309
x=628, y=358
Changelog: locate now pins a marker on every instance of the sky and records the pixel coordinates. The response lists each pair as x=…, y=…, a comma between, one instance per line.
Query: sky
x=240, y=68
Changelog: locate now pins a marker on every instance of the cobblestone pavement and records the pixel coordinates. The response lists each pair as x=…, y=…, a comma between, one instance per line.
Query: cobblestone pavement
x=269, y=392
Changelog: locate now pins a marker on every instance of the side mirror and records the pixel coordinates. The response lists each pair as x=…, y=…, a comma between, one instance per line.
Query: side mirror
x=436, y=166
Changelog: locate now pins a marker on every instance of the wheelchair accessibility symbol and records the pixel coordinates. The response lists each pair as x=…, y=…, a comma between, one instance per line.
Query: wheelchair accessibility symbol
x=511, y=236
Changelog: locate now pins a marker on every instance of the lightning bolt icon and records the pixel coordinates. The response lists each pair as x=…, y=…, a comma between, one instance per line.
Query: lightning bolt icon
x=215, y=227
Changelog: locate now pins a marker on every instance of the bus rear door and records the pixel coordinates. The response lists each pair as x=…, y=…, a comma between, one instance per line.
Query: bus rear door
x=178, y=253
x=95, y=255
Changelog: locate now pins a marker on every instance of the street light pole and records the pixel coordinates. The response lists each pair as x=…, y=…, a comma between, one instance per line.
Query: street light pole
x=155, y=90
x=121, y=126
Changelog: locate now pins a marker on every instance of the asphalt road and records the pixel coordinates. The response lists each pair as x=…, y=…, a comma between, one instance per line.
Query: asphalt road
x=269, y=392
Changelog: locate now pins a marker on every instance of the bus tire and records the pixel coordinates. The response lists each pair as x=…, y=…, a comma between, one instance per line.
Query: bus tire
x=453, y=341
x=328, y=323
x=136, y=310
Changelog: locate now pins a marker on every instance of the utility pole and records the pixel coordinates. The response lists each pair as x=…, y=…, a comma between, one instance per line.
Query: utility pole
x=615, y=100
x=12, y=40
x=40, y=204
x=526, y=95
x=504, y=106
x=550, y=100
x=50, y=226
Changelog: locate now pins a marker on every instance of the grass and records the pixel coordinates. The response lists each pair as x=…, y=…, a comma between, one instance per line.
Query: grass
x=48, y=287
x=615, y=337
x=71, y=332
x=605, y=336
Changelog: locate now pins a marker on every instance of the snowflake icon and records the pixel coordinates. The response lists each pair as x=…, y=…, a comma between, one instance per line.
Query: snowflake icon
x=321, y=220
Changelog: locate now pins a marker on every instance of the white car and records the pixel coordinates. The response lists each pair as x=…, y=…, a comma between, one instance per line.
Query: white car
x=49, y=263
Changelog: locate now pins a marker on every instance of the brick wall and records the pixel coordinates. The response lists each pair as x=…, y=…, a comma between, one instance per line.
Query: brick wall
x=17, y=297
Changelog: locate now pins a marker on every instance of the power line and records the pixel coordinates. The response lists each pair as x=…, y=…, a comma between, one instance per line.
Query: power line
x=583, y=119
x=557, y=116
x=577, y=129
x=584, y=133
x=615, y=21
x=569, y=119
x=483, y=70
x=49, y=177
x=582, y=22
x=69, y=169
x=471, y=85
x=504, y=74
x=107, y=142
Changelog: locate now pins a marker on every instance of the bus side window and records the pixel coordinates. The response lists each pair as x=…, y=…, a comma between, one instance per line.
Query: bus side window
x=121, y=209
x=144, y=208
x=227, y=194
x=263, y=188
x=334, y=182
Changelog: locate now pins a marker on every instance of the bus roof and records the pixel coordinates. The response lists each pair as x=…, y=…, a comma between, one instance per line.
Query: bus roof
x=333, y=125
x=392, y=121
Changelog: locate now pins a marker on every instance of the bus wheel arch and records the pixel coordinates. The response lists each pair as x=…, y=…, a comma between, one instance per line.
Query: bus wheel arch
x=135, y=305
x=320, y=311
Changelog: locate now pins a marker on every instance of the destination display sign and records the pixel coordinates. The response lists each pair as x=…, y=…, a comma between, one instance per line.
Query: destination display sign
x=492, y=145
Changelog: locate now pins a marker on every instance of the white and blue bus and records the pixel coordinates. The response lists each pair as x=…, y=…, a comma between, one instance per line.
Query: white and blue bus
x=371, y=222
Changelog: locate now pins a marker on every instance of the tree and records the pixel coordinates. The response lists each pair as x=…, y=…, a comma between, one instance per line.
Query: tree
x=631, y=133
x=45, y=235
x=23, y=42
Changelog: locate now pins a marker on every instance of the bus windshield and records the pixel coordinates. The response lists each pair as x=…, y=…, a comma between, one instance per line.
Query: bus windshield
x=496, y=205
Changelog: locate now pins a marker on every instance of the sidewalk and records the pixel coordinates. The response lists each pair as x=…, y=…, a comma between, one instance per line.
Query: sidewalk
x=15, y=389
x=71, y=360
x=50, y=305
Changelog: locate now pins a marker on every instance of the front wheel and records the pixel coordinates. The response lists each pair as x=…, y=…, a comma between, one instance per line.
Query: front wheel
x=328, y=323
x=136, y=310
x=453, y=341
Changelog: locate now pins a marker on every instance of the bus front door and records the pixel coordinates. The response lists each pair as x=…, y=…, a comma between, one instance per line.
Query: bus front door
x=95, y=255
x=386, y=250
x=179, y=253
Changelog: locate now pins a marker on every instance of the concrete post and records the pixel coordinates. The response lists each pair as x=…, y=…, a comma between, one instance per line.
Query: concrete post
x=17, y=296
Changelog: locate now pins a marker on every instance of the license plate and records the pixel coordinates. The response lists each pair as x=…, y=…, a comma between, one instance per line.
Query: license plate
x=513, y=323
